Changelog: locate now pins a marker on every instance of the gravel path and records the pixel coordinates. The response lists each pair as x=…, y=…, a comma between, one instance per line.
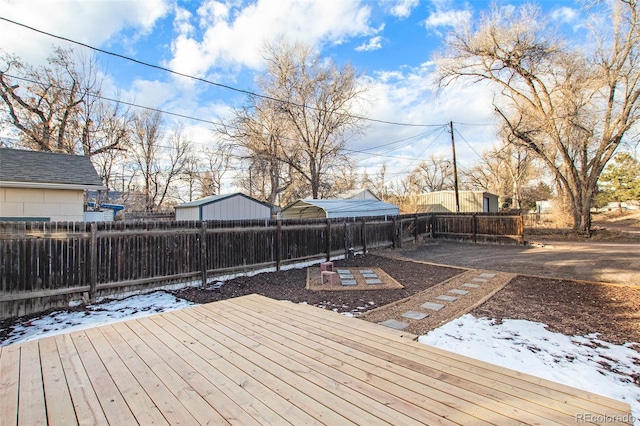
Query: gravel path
x=479, y=286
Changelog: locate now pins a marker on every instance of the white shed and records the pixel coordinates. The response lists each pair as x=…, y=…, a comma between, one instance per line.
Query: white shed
x=318, y=209
x=235, y=206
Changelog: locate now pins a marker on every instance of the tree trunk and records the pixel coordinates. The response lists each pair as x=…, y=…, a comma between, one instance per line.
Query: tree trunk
x=582, y=212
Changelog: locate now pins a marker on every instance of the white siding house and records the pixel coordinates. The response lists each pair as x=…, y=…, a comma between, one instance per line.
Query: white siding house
x=235, y=206
x=44, y=186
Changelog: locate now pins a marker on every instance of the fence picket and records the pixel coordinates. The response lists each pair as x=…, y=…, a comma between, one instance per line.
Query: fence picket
x=63, y=259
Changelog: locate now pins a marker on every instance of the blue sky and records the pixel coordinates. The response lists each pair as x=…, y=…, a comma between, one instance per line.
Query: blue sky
x=390, y=42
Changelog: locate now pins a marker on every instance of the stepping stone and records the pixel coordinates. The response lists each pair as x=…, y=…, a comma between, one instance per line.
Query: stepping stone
x=415, y=315
x=374, y=281
x=447, y=298
x=460, y=292
x=346, y=277
x=398, y=325
x=479, y=280
x=342, y=271
x=366, y=271
x=432, y=306
x=370, y=275
x=349, y=282
x=487, y=275
x=469, y=285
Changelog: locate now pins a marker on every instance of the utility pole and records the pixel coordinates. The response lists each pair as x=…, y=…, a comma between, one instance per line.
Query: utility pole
x=455, y=168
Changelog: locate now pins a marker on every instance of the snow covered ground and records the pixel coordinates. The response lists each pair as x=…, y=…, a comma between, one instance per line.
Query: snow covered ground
x=583, y=362
x=105, y=313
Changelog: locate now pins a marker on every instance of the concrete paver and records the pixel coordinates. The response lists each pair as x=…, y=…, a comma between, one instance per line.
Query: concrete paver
x=432, y=306
x=446, y=298
x=398, y=325
x=415, y=315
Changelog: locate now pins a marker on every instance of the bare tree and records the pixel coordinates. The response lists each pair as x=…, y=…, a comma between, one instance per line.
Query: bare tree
x=378, y=183
x=571, y=109
x=191, y=175
x=434, y=174
x=156, y=164
x=108, y=138
x=258, y=134
x=505, y=170
x=402, y=193
x=317, y=97
x=57, y=107
x=217, y=163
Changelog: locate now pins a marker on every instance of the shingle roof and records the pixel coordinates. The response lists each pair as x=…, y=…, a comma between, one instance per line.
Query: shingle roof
x=46, y=167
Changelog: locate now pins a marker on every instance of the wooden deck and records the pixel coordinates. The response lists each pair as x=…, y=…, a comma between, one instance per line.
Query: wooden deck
x=253, y=360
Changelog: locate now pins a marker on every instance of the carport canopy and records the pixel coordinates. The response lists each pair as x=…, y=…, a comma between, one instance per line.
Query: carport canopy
x=317, y=209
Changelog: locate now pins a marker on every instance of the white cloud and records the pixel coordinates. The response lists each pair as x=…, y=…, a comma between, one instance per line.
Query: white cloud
x=374, y=43
x=447, y=18
x=565, y=15
x=152, y=94
x=233, y=35
x=410, y=96
x=92, y=22
x=182, y=23
x=399, y=8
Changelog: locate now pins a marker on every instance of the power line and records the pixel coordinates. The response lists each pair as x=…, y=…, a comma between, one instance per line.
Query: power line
x=189, y=117
x=468, y=144
x=95, y=95
x=202, y=80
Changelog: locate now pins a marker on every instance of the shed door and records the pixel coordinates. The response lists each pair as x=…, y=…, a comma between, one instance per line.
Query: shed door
x=485, y=204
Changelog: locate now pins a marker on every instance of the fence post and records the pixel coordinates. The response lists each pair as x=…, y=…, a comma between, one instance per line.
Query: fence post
x=415, y=228
x=475, y=227
x=93, y=262
x=394, y=234
x=521, y=228
x=278, y=244
x=346, y=240
x=363, y=236
x=328, y=240
x=203, y=252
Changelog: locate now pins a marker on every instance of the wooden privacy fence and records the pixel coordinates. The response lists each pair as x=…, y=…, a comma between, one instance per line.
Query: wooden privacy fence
x=45, y=264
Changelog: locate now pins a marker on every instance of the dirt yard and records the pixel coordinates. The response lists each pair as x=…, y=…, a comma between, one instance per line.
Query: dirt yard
x=565, y=306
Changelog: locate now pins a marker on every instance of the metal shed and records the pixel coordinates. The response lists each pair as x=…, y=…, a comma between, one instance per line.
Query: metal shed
x=445, y=201
x=319, y=209
x=236, y=206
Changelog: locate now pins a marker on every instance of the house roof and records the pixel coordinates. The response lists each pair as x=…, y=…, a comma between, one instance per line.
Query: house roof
x=353, y=193
x=20, y=168
x=341, y=208
x=218, y=197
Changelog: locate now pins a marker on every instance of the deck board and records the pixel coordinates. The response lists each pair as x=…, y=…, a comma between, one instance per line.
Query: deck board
x=59, y=405
x=508, y=407
x=365, y=334
x=254, y=360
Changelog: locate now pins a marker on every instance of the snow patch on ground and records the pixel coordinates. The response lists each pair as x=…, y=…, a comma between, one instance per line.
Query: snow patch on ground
x=59, y=322
x=582, y=362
